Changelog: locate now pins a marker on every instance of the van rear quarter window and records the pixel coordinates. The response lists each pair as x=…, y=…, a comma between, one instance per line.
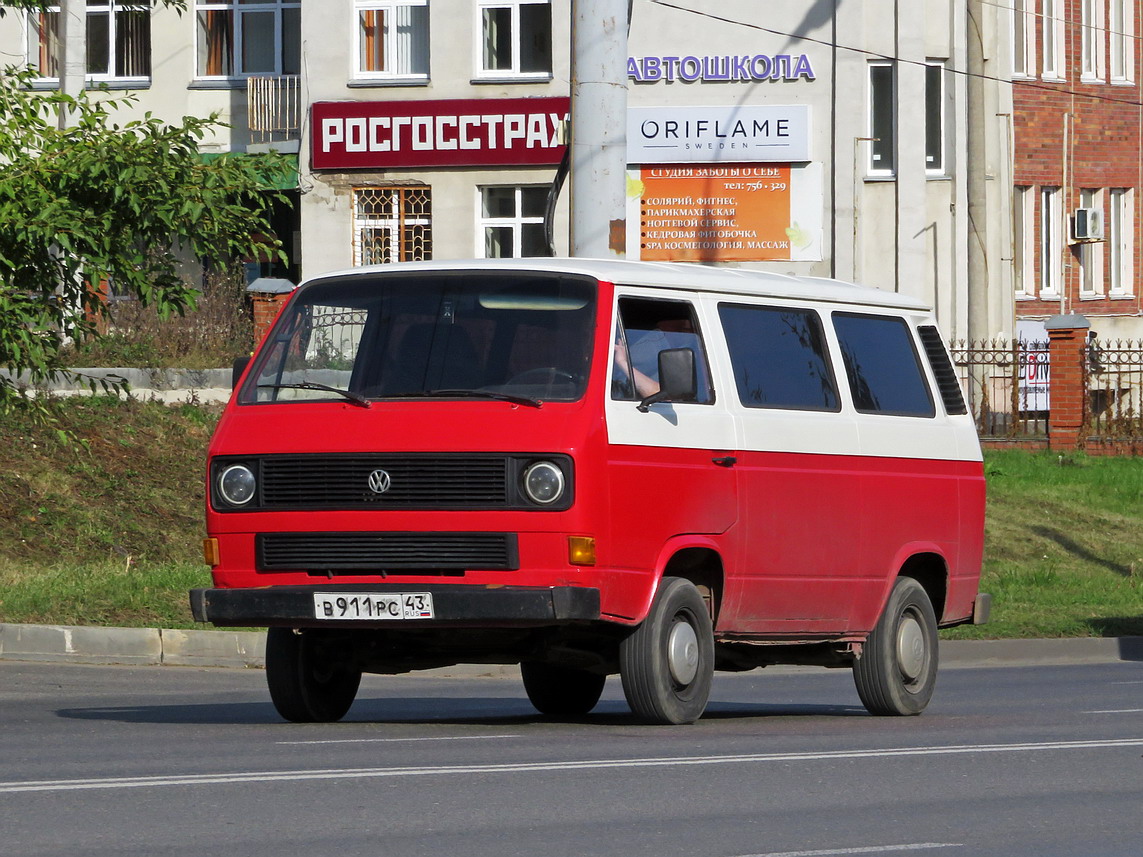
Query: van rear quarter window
x=882, y=365
x=779, y=357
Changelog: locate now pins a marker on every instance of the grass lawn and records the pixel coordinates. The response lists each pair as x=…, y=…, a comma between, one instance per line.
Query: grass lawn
x=106, y=530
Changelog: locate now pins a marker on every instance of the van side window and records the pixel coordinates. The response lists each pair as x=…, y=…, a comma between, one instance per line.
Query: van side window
x=882, y=364
x=645, y=328
x=779, y=358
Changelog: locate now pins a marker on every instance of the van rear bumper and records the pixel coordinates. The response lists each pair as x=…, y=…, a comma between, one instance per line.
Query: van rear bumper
x=455, y=605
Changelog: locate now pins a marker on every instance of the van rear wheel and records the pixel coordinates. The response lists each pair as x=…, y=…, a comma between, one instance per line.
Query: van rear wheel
x=667, y=663
x=307, y=685
x=561, y=691
x=897, y=670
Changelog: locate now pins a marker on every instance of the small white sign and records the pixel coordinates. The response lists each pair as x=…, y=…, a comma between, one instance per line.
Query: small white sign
x=702, y=135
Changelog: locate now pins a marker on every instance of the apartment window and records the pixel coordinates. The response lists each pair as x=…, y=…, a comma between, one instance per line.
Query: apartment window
x=1092, y=63
x=882, y=119
x=1023, y=38
x=1052, y=25
x=118, y=41
x=245, y=38
x=511, y=222
x=515, y=38
x=393, y=39
x=392, y=224
x=1121, y=240
x=935, y=118
x=1051, y=242
x=1091, y=253
x=1122, y=41
x=1024, y=242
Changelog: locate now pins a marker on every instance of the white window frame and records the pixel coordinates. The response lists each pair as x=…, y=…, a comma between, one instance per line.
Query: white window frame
x=1091, y=252
x=1052, y=35
x=1122, y=43
x=396, y=43
x=516, y=222
x=239, y=11
x=514, y=72
x=111, y=8
x=875, y=168
x=1024, y=241
x=394, y=219
x=1023, y=38
x=1121, y=241
x=1093, y=31
x=1051, y=243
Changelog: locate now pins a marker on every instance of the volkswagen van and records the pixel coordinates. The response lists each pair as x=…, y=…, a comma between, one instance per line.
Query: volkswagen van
x=595, y=467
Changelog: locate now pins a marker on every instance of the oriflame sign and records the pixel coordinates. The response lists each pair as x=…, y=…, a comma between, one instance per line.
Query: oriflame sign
x=356, y=135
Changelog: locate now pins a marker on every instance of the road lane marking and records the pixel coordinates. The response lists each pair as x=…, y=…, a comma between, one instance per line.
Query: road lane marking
x=868, y=849
x=393, y=740
x=532, y=767
x=1117, y=711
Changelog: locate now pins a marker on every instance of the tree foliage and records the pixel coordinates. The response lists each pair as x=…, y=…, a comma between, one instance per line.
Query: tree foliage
x=99, y=202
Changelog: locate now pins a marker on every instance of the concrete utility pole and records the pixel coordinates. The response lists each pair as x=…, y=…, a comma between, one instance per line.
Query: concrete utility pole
x=73, y=44
x=599, y=128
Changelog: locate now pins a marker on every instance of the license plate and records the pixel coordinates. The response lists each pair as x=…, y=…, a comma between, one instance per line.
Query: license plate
x=373, y=605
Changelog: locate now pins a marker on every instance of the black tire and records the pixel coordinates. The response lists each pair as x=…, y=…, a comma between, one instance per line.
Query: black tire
x=897, y=670
x=667, y=663
x=306, y=684
x=561, y=691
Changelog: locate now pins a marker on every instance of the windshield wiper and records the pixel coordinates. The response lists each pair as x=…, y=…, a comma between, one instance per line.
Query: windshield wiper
x=478, y=394
x=356, y=398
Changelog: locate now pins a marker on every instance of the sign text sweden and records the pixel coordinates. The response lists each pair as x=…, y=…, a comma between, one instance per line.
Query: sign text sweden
x=462, y=132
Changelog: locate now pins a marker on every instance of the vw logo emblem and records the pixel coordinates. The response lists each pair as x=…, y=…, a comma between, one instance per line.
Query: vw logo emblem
x=379, y=482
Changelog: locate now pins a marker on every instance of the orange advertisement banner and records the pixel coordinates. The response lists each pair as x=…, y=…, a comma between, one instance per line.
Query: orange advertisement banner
x=715, y=214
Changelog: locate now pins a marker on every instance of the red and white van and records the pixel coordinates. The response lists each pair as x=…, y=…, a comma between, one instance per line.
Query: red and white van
x=588, y=467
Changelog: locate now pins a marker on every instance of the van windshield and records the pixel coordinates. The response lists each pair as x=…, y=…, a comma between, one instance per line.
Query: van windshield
x=377, y=336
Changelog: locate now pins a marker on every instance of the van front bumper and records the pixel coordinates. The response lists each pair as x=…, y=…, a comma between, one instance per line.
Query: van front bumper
x=455, y=605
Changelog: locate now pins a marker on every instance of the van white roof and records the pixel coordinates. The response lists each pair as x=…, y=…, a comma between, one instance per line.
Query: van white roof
x=671, y=275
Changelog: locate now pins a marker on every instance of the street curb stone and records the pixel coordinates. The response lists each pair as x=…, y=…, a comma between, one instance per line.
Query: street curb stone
x=247, y=649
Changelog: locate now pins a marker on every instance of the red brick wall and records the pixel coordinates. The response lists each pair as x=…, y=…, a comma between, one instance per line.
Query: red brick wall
x=1106, y=124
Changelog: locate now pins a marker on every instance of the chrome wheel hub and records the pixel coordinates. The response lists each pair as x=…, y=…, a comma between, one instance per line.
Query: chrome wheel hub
x=683, y=652
x=911, y=648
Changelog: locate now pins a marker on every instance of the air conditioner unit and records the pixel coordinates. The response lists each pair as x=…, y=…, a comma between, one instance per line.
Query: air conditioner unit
x=1087, y=224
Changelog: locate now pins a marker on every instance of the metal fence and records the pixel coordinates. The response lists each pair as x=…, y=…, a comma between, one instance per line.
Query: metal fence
x=1007, y=387
x=1113, y=376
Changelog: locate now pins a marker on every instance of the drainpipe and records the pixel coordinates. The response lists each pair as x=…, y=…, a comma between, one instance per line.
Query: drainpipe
x=977, y=190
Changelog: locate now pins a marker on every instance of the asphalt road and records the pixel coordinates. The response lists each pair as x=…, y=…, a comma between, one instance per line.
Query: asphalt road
x=1034, y=760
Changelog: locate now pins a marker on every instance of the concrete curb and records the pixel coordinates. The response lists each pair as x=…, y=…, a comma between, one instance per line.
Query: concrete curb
x=247, y=649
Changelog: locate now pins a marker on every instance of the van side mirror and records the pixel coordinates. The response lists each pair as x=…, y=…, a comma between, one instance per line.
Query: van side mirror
x=240, y=364
x=678, y=380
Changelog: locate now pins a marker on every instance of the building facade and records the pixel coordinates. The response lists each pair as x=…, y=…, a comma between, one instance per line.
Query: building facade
x=867, y=141
x=1078, y=163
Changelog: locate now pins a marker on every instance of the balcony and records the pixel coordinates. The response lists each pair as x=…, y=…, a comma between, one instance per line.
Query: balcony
x=274, y=110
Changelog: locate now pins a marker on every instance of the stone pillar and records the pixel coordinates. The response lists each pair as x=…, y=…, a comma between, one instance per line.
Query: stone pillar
x=1067, y=335
x=267, y=294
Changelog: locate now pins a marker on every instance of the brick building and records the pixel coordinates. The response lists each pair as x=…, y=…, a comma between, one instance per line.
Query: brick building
x=1078, y=172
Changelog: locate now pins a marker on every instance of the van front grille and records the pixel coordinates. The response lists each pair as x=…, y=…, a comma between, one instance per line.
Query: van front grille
x=414, y=482
x=385, y=551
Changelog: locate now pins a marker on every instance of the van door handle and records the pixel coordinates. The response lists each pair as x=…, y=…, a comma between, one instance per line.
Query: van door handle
x=725, y=461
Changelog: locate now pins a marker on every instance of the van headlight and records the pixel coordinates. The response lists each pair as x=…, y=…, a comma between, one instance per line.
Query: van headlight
x=544, y=482
x=236, y=485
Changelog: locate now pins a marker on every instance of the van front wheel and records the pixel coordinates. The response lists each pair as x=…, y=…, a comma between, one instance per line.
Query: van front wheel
x=897, y=670
x=306, y=683
x=666, y=664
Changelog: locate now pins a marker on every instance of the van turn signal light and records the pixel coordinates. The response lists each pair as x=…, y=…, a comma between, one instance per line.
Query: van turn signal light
x=581, y=550
x=210, y=552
